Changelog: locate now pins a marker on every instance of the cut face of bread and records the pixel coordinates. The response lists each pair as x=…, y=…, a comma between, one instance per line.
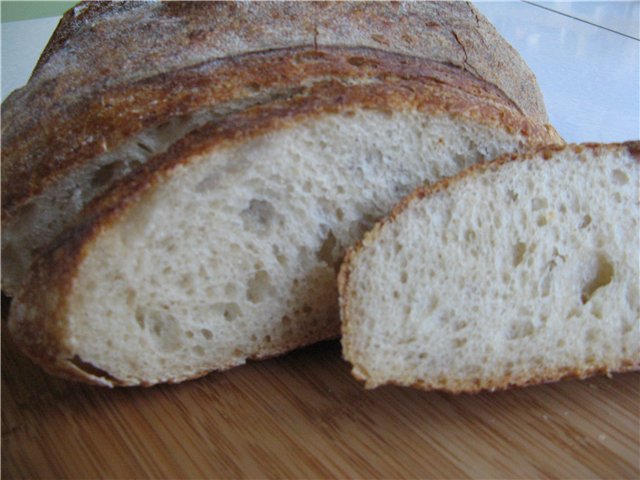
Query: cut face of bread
x=42, y=197
x=520, y=271
x=104, y=97
x=226, y=247
x=34, y=225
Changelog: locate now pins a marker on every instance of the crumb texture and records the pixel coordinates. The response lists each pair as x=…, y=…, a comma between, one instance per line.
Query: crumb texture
x=518, y=272
x=235, y=255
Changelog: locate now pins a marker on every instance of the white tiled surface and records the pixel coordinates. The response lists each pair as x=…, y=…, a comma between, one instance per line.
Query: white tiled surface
x=590, y=77
x=22, y=44
x=623, y=17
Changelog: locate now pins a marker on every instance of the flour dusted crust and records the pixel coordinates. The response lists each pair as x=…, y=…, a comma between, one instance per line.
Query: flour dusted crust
x=451, y=385
x=38, y=319
x=109, y=72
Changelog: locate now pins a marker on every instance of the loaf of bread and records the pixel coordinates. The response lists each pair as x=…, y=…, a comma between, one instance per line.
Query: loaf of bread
x=122, y=81
x=520, y=271
x=226, y=247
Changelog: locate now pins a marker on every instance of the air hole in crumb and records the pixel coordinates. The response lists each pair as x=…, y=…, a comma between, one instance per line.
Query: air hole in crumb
x=259, y=287
x=258, y=216
x=230, y=311
x=253, y=338
x=470, y=236
x=513, y=196
x=162, y=326
x=144, y=147
x=230, y=289
x=106, y=174
x=545, y=285
x=460, y=325
x=188, y=334
x=206, y=333
x=431, y=307
x=562, y=208
x=602, y=274
x=521, y=330
x=339, y=214
x=620, y=177
x=541, y=221
x=140, y=319
x=561, y=343
x=198, y=350
x=396, y=294
x=539, y=204
x=519, y=250
x=186, y=282
x=586, y=221
x=404, y=277
x=131, y=297
x=459, y=342
x=267, y=338
x=591, y=335
x=445, y=317
x=208, y=183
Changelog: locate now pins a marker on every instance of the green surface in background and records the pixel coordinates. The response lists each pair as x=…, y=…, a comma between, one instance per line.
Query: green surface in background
x=14, y=10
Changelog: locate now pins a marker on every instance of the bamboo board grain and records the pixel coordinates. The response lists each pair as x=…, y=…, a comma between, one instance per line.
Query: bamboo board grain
x=303, y=416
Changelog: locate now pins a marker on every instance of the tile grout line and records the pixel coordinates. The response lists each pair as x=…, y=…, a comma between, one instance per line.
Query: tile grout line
x=580, y=19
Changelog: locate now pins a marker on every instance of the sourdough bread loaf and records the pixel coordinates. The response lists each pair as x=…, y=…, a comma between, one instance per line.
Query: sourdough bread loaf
x=520, y=271
x=120, y=82
x=225, y=248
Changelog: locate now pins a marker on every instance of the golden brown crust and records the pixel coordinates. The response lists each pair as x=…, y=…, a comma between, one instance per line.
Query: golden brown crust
x=38, y=316
x=88, y=93
x=99, y=123
x=90, y=38
x=424, y=191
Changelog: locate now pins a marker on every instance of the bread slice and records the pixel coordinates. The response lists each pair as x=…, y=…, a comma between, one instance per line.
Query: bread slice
x=520, y=271
x=226, y=247
x=112, y=89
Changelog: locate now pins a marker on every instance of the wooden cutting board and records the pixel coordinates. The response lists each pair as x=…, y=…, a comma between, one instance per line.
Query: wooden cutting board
x=303, y=416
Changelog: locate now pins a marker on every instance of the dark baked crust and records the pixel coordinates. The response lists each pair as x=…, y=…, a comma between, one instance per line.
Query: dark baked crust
x=544, y=376
x=88, y=93
x=38, y=316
